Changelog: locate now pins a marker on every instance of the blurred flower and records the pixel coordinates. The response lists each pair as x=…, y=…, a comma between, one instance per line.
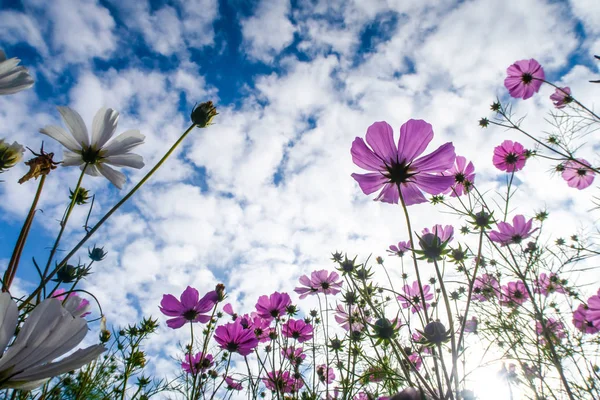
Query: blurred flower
x=515, y=233
x=48, y=333
x=471, y=325
x=233, y=385
x=297, y=329
x=509, y=156
x=13, y=78
x=582, y=321
x=400, y=249
x=319, y=282
x=398, y=168
x=464, y=177
x=406, y=394
x=197, y=363
x=81, y=197
x=514, y=293
x=412, y=296
x=190, y=309
x=295, y=355
x=593, y=312
x=282, y=382
x=555, y=329
x=235, y=339
x=416, y=360
x=10, y=154
x=546, y=284
x=524, y=78
x=96, y=153
x=325, y=374
x=576, y=175
x=444, y=233
x=97, y=253
x=351, y=320
x=273, y=306
x=561, y=97
x=77, y=306
x=203, y=114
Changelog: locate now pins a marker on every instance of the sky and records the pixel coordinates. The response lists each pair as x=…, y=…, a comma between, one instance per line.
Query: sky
x=265, y=194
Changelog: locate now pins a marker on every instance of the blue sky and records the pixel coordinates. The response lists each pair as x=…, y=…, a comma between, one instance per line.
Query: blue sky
x=265, y=195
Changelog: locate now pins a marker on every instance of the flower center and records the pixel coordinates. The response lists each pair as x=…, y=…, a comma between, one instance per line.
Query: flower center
x=511, y=158
x=527, y=78
x=90, y=155
x=459, y=177
x=581, y=172
x=325, y=285
x=516, y=238
x=398, y=172
x=232, y=347
x=190, y=315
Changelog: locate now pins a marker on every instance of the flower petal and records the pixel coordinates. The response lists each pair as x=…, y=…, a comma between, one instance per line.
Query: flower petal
x=415, y=135
x=103, y=126
x=117, y=178
x=61, y=136
x=412, y=194
x=125, y=160
x=438, y=161
x=9, y=313
x=433, y=184
x=76, y=125
x=380, y=136
x=124, y=142
x=364, y=156
x=371, y=182
x=70, y=159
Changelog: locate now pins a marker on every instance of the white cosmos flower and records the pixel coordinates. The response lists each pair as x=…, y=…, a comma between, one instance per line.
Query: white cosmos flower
x=48, y=333
x=13, y=78
x=95, y=152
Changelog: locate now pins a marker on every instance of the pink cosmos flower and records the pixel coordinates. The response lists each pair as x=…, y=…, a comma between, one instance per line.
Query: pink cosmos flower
x=400, y=249
x=514, y=293
x=416, y=360
x=464, y=177
x=350, y=321
x=235, y=339
x=273, y=306
x=555, y=328
x=412, y=296
x=197, y=363
x=189, y=309
x=297, y=329
x=515, y=233
x=582, y=321
x=576, y=175
x=485, y=288
x=593, y=312
x=546, y=284
x=320, y=282
x=282, y=382
x=444, y=233
x=398, y=168
x=228, y=309
x=233, y=385
x=561, y=97
x=524, y=78
x=326, y=375
x=295, y=355
x=471, y=325
x=509, y=156
x=82, y=310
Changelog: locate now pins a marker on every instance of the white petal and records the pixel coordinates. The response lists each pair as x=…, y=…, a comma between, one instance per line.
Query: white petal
x=103, y=127
x=60, y=135
x=9, y=313
x=91, y=170
x=24, y=385
x=70, y=158
x=8, y=66
x=15, y=81
x=76, y=125
x=117, y=178
x=123, y=143
x=125, y=160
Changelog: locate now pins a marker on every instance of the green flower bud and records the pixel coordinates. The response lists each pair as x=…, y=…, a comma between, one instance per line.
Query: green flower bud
x=97, y=253
x=203, y=114
x=81, y=197
x=10, y=155
x=435, y=333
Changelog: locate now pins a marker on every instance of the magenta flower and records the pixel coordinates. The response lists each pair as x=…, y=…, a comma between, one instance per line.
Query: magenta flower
x=297, y=329
x=546, y=284
x=464, y=177
x=260, y=327
x=295, y=355
x=82, y=310
x=514, y=293
x=319, y=282
x=235, y=339
x=325, y=374
x=412, y=296
x=561, y=97
x=416, y=360
x=352, y=320
x=593, y=312
x=197, y=363
x=189, y=309
x=555, y=329
x=400, y=249
x=485, y=288
x=228, y=309
x=397, y=168
x=233, y=385
x=444, y=233
x=576, y=175
x=583, y=322
x=471, y=325
x=515, y=233
x=524, y=78
x=273, y=306
x=282, y=382
x=509, y=156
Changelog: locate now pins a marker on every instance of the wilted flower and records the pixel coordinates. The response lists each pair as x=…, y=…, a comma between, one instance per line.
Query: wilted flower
x=464, y=177
x=412, y=296
x=515, y=233
x=235, y=339
x=40, y=165
x=561, y=97
x=273, y=306
x=577, y=175
x=13, y=78
x=95, y=155
x=203, y=114
x=190, y=309
x=524, y=78
x=509, y=156
x=10, y=154
x=48, y=333
x=397, y=168
x=297, y=329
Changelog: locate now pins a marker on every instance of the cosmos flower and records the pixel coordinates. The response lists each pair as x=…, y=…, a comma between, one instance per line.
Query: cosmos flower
x=282, y=382
x=197, y=363
x=297, y=329
x=399, y=168
x=319, y=282
x=524, y=78
x=485, y=288
x=464, y=177
x=49, y=332
x=577, y=175
x=593, y=312
x=13, y=78
x=235, y=339
x=273, y=306
x=350, y=321
x=561, y=97
x=546, y=284
x=400, y=249
x=582, y=321
x=556, y=330
x=412, y=296
x=95, y=152
x=515, y=233
x=416, y=360
x=233, y=385
x=513, y=293
x=509, y=156
x=190, y=308
x=295, y=355
x=444, y=233
x=325, y=374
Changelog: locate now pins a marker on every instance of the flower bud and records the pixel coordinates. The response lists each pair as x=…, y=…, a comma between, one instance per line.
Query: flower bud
x=203, y=114
x=10, y=155
x=97, y=253
x=66, y=274
x=435, y=333
x=81, y=196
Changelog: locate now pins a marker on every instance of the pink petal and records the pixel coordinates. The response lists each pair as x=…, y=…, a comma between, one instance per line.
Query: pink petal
x=189, y=298
x=370, y=182
x=380, y=136
x=415, y=135
x=440, y=160
x=364, y=157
